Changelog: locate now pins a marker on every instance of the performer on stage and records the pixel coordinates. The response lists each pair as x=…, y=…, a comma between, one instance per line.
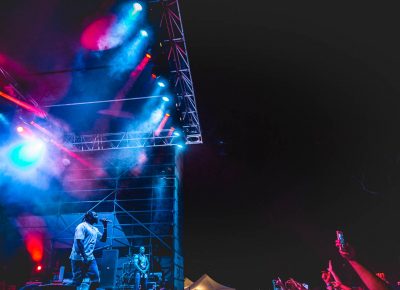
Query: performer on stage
x=142, y=265
x=82, y=259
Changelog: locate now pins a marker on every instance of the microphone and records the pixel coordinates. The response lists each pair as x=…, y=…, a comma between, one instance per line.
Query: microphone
x=106, y=220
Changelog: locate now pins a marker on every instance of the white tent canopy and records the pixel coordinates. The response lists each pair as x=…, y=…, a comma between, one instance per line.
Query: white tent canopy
x=205, y=283
x=187, y=282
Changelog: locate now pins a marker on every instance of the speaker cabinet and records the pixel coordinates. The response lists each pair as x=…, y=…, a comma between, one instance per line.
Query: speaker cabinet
x=108, y=268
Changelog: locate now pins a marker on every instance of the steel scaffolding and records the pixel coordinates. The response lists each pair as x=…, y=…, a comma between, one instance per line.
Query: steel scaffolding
x=122, y=140
x=173, y=37
x=144, y=203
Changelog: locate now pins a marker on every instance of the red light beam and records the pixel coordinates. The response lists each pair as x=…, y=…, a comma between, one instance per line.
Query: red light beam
x=36, y=111
x=98, y=171
x=171, y=131
x=162, y=124
x=115, y=109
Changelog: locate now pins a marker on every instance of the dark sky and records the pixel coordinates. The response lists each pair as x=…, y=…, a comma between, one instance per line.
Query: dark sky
x=298, y=103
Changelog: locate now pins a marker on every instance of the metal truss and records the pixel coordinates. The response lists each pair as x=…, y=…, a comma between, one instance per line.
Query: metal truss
x=174, y=40
x=122, y=140
x=145, y=209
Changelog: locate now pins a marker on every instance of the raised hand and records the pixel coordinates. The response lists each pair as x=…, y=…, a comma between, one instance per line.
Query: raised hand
x=279, y=282
x=295, y=284
x=326, y=276
x=336, y=284
x=330, y=268
x=347, y=252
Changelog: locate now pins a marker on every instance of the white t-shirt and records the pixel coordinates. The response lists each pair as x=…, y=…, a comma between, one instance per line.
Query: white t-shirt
x=89, y=234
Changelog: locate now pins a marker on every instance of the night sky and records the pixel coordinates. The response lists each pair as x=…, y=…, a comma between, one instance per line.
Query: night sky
x=298, y=103
x=299, y=106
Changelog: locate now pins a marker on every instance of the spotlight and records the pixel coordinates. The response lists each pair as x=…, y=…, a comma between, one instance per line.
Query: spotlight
x=148, y=55
x=20, y=129
x=39, y=268
x=165, y=99
x=28, y=153
x=161, y=84
x=176, y=134
x=137, y=7
x=180, y=146
x=144, y=33
x=153, y=76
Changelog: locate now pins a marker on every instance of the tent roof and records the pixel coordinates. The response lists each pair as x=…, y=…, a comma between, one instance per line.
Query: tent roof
x=187, y=282
x=207, y=283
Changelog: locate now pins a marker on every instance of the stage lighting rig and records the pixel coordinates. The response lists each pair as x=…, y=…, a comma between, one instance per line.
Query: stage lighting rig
x=137, y=7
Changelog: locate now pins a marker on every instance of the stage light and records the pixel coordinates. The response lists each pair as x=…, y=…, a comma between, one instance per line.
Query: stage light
x=165, y=99
x=28, y=153
x=161, y=84
x=154, y=76
x=176, y=134
x=39, y=268
x=144, y=33
x=180, y=146
x=148, y=55
x=20, y=129
x=38, y=112
x=137, y=7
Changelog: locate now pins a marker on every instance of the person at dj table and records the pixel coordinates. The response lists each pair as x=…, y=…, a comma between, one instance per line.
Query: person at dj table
x=142, y=265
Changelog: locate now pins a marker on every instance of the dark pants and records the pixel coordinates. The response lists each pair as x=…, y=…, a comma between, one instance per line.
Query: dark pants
x=140, y=280
x=80, y=270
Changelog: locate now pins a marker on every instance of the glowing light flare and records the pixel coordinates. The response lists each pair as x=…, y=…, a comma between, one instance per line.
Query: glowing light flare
x=32, y=229
x=28, y=153
x=26, y=133
x=34, y=245
x=161, y=84
x=94, y=36
x=115, y=108
x=137, y=7
x=129, y=55
x=144, y=33
x=162, y=125
x=32, y=150
x=26, y=106
x=165, y=99
x=171, y=131
x=140, y=67
x=113, y=30
x=97, y=171
x=39, y=268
